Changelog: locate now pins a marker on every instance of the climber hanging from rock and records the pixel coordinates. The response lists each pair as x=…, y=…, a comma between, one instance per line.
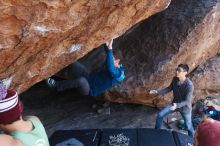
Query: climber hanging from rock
x=93, y=83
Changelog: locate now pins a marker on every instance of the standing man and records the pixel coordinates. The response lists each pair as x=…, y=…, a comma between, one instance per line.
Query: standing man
x=182, y=88
x=93, y=83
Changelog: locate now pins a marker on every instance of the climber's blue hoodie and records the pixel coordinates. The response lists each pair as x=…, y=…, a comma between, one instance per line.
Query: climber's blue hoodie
x=105, y=77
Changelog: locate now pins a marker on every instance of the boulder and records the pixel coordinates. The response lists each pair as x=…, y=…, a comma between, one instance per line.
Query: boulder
x=40, y=37
x=187, y=31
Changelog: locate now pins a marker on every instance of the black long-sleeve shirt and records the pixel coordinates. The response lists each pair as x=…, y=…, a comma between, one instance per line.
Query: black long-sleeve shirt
x=182, y=93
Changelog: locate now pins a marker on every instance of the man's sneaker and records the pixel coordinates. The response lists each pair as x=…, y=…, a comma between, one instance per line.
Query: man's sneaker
x=51, y=82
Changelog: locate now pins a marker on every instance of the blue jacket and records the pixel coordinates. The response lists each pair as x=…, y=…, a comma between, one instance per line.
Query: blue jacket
x=106, y=77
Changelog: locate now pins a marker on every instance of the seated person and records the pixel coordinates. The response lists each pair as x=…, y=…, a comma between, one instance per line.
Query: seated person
x=18, y=130
x=207, y=133
x=93, y=83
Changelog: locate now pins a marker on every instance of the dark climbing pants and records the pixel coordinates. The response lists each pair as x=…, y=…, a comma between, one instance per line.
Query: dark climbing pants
x=80, y=81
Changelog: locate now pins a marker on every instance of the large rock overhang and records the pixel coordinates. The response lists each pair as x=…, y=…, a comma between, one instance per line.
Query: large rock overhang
x=39, y=38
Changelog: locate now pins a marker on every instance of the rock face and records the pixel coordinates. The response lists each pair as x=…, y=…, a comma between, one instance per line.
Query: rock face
x=40, y=37
x=187, y=32
x=206, y=78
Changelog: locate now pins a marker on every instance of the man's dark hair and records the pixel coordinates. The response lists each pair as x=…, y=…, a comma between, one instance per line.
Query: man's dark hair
x=185, y=67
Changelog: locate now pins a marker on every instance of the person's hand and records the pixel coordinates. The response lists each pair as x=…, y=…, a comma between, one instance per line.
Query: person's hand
x=172, y=108
x=153, y=92
x=109, y=43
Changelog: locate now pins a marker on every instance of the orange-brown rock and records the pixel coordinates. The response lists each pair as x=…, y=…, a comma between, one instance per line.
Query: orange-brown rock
x=187, y=32
x=40, y=37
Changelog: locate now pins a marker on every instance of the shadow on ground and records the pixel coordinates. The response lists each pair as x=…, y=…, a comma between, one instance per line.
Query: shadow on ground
x=67, y=110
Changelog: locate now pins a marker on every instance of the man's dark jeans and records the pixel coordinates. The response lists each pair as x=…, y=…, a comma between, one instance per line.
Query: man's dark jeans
x=166, y=111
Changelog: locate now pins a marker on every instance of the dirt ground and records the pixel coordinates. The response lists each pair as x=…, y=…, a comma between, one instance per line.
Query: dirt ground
x=67, y=110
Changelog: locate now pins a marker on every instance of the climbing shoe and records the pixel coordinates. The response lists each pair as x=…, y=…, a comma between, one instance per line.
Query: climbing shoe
x=51, y=82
